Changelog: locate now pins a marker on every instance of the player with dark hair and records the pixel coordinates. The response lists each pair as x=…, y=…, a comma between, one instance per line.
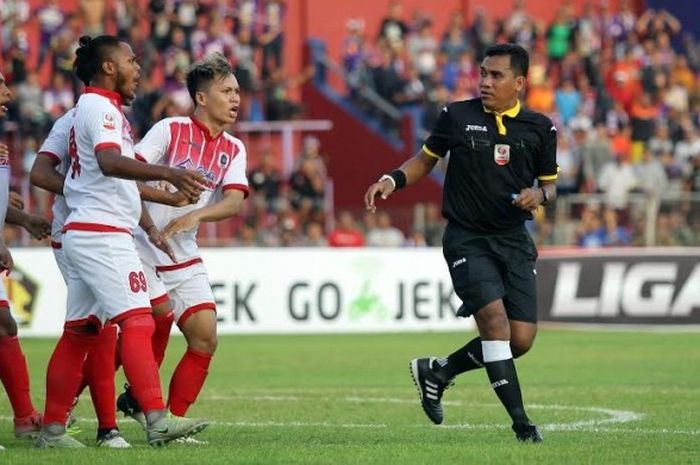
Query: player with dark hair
x=105, y=270
x=502, y=167
x=198, y=142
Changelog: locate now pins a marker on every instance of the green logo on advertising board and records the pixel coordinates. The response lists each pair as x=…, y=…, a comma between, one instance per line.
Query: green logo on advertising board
x=367, y=303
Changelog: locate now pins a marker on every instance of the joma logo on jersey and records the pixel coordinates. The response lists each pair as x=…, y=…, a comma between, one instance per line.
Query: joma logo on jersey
x=475, y=127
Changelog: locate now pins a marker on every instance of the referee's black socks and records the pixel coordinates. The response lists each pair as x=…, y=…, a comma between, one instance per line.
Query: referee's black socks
x=467, y=358
x=498, y=361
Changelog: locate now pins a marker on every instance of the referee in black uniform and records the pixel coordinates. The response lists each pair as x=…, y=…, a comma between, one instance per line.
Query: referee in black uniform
x=502, y=167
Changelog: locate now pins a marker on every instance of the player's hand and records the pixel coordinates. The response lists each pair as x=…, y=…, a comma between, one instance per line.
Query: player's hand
x=6, y=262
x=37, y=226
x=4, y=150
x=383, y=188
x=16, y=200
x=189, y=182
x=178, y=199
x=529, y=199
x=157, y=239
x=179, y=225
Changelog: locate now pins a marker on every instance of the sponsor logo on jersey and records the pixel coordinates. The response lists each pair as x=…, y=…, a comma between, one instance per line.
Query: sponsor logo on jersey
x=108, y=121
x=475, y=127
x=186, y=164
x=501, y=154
x=4, y=160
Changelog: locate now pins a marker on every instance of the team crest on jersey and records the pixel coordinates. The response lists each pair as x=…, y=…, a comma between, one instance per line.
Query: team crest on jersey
x=223, y=159
x=501, y=154
x=108, y=121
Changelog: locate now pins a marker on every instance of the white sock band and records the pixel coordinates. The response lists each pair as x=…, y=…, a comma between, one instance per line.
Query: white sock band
x=495, y=351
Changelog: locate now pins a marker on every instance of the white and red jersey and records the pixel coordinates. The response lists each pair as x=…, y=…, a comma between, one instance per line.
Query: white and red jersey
x=98, y=202
x=56, y=147
x=184, y=142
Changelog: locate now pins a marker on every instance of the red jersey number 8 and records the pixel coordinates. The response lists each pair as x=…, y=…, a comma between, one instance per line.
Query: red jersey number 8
x=73, y=153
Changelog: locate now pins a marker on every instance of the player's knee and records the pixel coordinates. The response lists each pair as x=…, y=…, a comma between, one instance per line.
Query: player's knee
x=204, y=342
x=493, y=324
x=519, y=347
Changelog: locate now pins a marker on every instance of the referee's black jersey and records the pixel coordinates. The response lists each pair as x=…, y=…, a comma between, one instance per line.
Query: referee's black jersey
x=486, y=167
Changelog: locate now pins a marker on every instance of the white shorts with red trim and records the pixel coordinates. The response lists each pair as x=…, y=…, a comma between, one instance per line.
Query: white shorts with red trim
x=79, y=310
x=187, y=286
x=104, y=273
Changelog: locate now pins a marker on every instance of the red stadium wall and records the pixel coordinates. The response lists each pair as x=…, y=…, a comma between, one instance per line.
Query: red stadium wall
x=358, y=156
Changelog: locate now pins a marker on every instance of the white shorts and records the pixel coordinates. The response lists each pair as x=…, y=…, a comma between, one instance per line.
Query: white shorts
x=79, y=311
x=104, y=273
x=188, y=289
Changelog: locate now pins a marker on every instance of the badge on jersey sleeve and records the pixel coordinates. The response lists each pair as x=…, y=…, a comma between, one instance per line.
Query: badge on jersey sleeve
x=501, y=154
x=108, y=121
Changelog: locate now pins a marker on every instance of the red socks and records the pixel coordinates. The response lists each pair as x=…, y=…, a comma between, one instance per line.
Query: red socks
x=99, y=373
x=161, y=335
x=14, y=375
x=187, y=381
x=65, y=373
x=139, y=364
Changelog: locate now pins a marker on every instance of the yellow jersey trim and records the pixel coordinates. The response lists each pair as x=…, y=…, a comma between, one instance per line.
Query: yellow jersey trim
x=550, y=177
x=430, y=152
x=511, y=113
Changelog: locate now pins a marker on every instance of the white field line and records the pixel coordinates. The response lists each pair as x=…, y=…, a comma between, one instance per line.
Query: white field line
x=598, y=425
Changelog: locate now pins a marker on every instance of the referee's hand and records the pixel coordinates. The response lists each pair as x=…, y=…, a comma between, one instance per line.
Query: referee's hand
x=383, y=188
x=529, y=199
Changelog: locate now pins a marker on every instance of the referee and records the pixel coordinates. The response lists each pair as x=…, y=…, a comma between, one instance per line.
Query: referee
x=497, y=151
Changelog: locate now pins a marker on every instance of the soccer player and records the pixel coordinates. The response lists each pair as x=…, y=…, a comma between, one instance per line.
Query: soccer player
x=48, y=172
x=497, y=151
x=13, y=365
x=105, y=272
x=197, y=142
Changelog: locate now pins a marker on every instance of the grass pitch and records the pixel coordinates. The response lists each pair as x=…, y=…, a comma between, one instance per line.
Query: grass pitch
x=600, y=397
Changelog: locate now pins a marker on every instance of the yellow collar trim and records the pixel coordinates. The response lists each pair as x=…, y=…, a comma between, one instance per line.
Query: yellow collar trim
x=511, y=113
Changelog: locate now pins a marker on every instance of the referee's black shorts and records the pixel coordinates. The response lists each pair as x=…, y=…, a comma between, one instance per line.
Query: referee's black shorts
x=489, y=266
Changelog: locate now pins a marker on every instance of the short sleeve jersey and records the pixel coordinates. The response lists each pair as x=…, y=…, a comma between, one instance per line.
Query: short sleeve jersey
x=98, y=202
x=56, y=147
x=184, y=142
x=486, y=168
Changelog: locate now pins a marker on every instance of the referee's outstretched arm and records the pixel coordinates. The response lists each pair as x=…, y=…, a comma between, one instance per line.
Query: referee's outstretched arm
x=411, y=171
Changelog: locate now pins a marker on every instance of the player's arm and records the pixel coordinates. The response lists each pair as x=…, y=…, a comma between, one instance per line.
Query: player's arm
x=5, y=255
x=173, y=199
x=408, y=173
x=38, y=226
x=154, y=235
x=227, y=207
x=436, y=147
x=112, y=163
x=44, y=175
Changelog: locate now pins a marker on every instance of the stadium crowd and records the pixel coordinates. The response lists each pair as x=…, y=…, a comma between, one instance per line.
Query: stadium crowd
x=622, y=86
